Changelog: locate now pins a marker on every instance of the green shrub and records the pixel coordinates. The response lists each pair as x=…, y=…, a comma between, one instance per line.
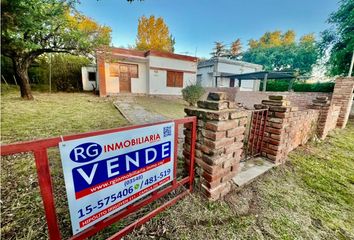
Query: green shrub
x=298, y=86
x=192, y=93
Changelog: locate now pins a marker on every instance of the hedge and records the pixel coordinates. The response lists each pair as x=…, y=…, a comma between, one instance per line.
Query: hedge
x=298, y=86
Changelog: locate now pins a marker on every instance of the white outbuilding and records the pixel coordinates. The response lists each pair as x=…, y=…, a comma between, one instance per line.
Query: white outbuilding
x=215, y=72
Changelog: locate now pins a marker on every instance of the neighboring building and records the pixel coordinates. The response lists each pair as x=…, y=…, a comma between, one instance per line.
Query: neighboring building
x=214, y=72
x=148, y=72
x=89, y=79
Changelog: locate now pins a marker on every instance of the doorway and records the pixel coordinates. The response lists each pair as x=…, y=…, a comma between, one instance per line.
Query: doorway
x=124, y=79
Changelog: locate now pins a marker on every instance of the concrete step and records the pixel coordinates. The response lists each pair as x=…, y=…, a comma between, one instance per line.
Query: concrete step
x=251, y=169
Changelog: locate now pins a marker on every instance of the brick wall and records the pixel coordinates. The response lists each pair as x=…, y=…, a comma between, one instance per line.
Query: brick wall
x=287, y=127
x=219, y=145
x=343, y=97
x=299, y=99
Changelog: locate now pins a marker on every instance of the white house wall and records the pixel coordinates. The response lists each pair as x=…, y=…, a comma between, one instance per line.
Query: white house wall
x=158, y=82
x=139, y=85
x=229, y=68
x=158, y=74
x=207, y=76
x=86, y=84
x=173, y=64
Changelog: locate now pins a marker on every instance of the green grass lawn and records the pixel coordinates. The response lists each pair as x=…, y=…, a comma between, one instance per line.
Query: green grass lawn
x=311, y=197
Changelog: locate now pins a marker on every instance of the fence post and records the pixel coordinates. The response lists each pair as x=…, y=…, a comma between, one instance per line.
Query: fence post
x=274, y=146
x=219, y=143
x=328, y=115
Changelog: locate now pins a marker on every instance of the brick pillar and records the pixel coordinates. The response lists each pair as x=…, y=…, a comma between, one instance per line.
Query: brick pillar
x=343, y=97
x=274, y=141
x=101, y=66
x=322, y=104
x=220, y=134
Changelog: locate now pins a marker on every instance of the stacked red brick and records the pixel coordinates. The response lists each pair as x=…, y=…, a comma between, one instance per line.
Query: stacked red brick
x=328, y=116
x=343, y=97
x=286, y=128
x=220, y=134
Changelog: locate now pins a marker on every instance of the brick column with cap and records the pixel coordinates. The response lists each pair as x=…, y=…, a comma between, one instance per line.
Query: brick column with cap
x=219, y=146
x=328, y=115
x=343, y=97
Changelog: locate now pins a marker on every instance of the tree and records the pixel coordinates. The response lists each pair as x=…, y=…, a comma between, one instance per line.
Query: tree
x=219, y=50
x=288, y=37
x=277, y=51
x=235, y=49
x=33, y=27
x=153, y=34
x=338, y=41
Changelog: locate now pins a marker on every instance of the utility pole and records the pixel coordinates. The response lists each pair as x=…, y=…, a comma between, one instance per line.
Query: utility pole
x=50, y=73
x=351, y=66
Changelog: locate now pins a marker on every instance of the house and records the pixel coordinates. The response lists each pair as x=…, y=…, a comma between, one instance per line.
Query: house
x=121, y=70
x=215, y=71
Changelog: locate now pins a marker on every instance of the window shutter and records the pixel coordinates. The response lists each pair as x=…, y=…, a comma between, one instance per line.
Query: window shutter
x=170, y=79
x=133, y=71
x=179, y=79
x=114, y=70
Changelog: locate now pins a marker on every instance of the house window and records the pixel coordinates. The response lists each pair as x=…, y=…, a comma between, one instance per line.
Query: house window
x=114, y=70
x=174, y=79
x=133, y=69
x=92, y=76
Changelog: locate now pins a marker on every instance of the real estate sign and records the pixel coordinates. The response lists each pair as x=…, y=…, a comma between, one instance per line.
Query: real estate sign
x=106, y=173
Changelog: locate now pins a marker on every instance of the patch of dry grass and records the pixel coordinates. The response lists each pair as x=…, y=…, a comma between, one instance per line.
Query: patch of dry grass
x=49, y=115
x=170, y=108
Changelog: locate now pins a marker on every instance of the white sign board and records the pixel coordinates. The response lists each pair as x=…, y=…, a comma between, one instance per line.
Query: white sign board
x=106, y=173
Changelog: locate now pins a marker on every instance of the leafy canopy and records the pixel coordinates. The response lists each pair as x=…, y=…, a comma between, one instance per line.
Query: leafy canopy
x=153, y=34
x=32, y=27
x=339, y=39
x=278, y=51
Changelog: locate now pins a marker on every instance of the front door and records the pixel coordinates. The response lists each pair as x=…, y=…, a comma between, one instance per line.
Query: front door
x=124, y=79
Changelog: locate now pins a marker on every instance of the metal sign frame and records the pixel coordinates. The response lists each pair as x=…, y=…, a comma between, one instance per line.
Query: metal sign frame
x=39, y=149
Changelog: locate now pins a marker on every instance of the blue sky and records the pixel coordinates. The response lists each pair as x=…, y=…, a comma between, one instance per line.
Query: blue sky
x=196, y=24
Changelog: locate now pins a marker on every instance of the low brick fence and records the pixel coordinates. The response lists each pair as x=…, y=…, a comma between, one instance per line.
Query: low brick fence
x=299, y=99
x=221, y=130
x=286, y=128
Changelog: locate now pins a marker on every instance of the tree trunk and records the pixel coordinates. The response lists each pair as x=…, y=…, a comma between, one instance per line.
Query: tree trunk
x=21, y=66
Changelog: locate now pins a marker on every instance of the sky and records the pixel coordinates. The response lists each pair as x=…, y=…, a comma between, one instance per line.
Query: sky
x=197, y=24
